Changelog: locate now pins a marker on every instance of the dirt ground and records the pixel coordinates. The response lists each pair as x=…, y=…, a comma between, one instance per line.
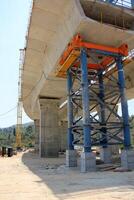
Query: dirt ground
x=27, y=177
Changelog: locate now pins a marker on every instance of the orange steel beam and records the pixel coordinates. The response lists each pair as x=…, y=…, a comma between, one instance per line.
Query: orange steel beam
x=77, y=43
x=97, y=67
x=102, y=65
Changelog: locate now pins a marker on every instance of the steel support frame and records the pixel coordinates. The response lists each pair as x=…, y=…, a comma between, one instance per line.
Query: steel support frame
x=132, y=3
x=70, y=137
x=102, y=109
x=123, y=3
x=87, y=90
x=124, y=105
x=85, y=101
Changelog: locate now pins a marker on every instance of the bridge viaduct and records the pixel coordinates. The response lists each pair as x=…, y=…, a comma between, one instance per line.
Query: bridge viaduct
x=51, y=27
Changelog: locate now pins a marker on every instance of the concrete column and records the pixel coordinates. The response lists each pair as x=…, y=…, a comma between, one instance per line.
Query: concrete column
x=88, y=162
x=71, y=158
x=37, y=132
x=49, y=128
x=127, y=159
x=63, y=136
x=106, y=155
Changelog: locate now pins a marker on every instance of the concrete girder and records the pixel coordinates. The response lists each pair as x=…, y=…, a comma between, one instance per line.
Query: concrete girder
x=58, y=28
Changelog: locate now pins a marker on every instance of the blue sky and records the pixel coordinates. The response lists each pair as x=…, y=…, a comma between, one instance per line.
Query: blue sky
x=13, y=25
x=14, y=16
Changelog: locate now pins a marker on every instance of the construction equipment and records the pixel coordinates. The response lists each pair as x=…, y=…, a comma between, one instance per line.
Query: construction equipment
x=20, y=104
x=91, y=86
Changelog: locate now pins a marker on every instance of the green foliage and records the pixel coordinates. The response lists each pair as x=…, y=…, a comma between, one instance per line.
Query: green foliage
x=28, y=136
x=7, y=136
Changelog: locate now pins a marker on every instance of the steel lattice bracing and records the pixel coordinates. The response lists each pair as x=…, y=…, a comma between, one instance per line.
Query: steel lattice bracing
x=106, y=125
x=93, y=95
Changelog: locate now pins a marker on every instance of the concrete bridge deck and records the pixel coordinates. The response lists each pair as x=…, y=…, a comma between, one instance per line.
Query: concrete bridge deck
x=51, y=28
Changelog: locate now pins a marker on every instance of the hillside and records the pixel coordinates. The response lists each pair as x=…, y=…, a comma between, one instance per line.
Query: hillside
x=7, y=135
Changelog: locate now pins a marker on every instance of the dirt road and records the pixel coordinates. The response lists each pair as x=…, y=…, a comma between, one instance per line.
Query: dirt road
x=26, y=177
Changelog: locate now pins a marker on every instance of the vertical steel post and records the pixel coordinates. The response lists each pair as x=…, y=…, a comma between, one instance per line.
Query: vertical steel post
x=70, y=137
x=124, y=105
x=110, y=1
x=85, y=101
x=102, y=110
x=132, y=3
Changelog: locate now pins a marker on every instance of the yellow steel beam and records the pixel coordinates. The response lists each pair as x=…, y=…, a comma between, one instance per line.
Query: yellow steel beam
x=62, y=70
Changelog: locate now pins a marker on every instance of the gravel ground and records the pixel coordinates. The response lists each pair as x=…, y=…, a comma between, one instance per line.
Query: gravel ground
x=27, y=177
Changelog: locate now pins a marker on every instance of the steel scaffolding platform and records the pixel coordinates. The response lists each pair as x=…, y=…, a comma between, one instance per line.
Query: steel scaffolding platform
x=94, y=93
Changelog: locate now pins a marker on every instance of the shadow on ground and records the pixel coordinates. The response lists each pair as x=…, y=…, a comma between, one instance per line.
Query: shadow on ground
x=62, y=180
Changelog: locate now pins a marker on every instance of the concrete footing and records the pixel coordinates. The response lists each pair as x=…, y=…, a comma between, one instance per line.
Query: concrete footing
x=127, y=159
x=106, y=155
x=114, y=150
x=71, y=158
x=88, y=162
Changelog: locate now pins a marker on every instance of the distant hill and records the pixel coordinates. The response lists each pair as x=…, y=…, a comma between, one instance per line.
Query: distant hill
x=7, y=135
x=13, y=126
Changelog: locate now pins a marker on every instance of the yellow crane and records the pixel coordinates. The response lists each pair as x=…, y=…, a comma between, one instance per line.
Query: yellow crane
x=19, y=104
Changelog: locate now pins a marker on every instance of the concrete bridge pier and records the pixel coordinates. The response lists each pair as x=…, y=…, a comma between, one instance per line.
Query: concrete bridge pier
x=49, y=128
x=37, y=130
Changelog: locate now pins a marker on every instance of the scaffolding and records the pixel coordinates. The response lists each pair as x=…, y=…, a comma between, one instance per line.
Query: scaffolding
x=95, y=86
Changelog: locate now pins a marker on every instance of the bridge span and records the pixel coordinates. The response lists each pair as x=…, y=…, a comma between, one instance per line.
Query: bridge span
x=52, y=26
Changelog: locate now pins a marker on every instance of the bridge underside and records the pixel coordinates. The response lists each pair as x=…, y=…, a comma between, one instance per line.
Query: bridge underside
x=51, y=28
